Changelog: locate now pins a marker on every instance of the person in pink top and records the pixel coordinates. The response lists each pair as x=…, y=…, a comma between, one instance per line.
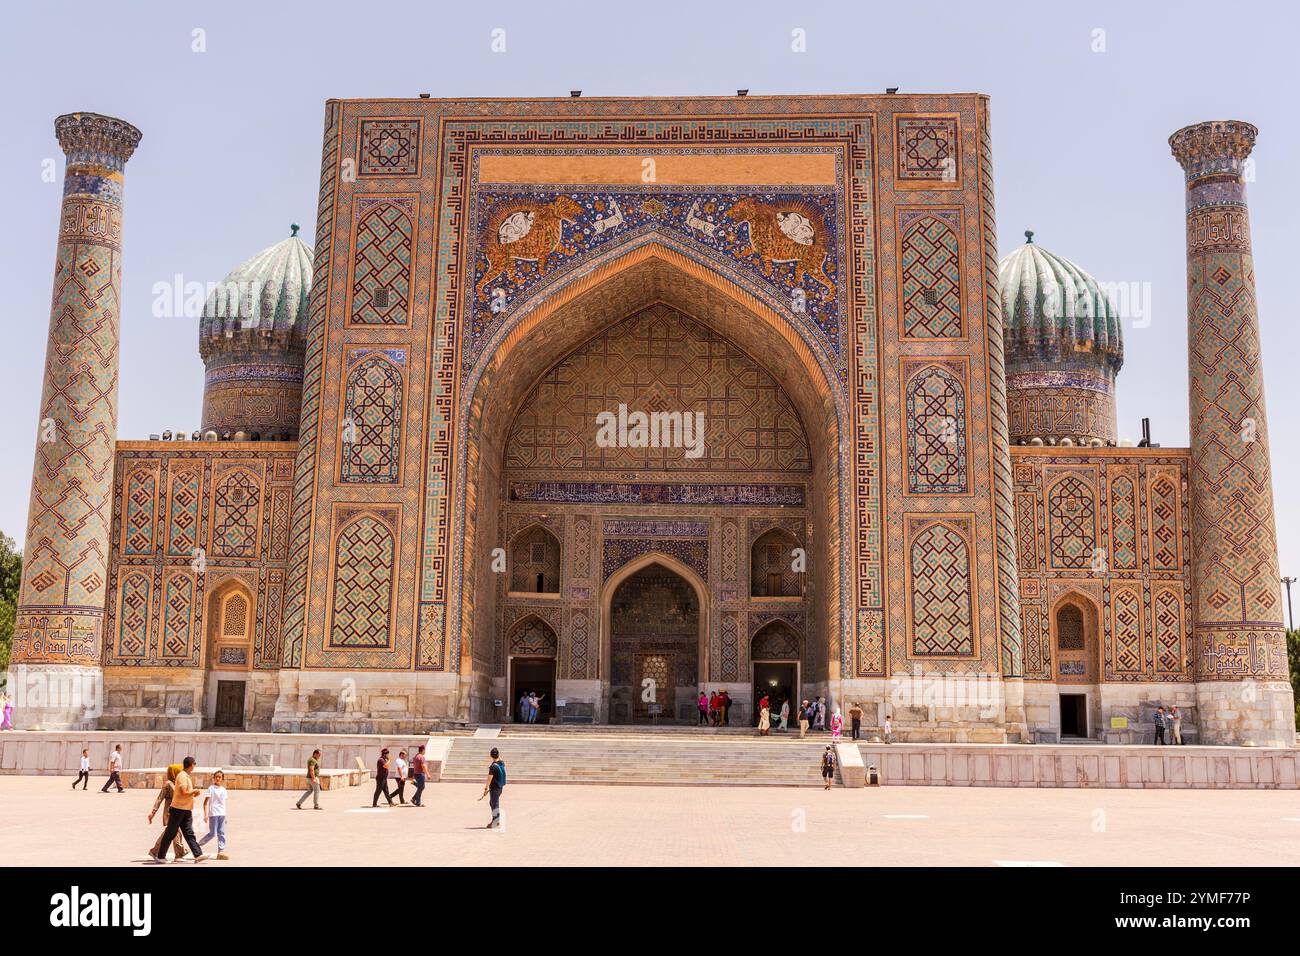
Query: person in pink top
x=837, y=724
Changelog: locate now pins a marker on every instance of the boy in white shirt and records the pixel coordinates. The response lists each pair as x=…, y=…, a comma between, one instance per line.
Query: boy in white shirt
x=214, y=811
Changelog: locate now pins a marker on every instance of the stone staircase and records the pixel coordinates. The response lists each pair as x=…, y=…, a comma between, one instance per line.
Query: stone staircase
x=640, y=756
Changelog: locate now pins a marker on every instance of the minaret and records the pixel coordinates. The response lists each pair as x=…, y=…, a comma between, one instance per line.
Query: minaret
x=1243, y=694
x=58, y=636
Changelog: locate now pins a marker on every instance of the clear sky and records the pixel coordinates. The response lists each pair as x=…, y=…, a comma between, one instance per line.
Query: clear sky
x=232, y=134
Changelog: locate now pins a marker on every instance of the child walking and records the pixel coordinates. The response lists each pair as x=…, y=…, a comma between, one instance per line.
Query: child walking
x=214, y=811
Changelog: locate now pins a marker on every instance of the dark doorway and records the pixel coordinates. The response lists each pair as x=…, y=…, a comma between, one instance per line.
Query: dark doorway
x=654, y=648
x=533, y=674
x=777, y=680
x=230, y=704
x=1074, y=715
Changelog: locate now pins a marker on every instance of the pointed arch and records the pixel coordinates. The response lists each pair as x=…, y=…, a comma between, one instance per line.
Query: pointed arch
x=531, y=636
x=1075, y=622
x=650, y=272
x=669, y=563
x=536, y=559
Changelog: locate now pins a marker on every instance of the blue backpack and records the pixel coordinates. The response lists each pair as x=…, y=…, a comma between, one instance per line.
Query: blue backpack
x=499, y=768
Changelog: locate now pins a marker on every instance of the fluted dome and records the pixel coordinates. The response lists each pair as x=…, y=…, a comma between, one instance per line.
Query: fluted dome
x=1063, y=348
x=251, y=338
x=266, y=294
x=1053, y=309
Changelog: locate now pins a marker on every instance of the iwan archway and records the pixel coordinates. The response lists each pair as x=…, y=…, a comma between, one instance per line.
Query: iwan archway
x=772, y=457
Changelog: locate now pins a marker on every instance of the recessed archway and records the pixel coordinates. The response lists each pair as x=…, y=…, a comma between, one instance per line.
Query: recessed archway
x=698, y=615
x=576, y=311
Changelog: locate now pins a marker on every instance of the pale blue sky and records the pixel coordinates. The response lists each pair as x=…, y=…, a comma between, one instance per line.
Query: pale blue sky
x=231, y=147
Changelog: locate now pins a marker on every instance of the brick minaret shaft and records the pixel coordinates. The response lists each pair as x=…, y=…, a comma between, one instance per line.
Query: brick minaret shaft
x=1243, y=695
x=59, y=630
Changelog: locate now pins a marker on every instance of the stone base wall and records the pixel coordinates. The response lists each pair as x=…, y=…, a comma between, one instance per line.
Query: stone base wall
x=932, y=710
x=54, y=696
x=60, y=753
x=364, y=702
x=1253, y=713
x=1136, y=703
x=1209, y=768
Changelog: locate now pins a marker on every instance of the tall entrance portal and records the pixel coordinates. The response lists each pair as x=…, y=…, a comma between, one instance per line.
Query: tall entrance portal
x=657, y=503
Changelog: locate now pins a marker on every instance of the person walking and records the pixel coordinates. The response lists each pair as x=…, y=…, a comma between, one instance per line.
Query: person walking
x=164, y=800
x=803, y=719
x=837, y=725
x=496, y=782
x=1175, y=726
x=214, y=813
x=715, y=709
x=889, y=729
x=855, y=721
x=401, y=777
x=534, y=706
x=764, y=718
x=1159, y=721
x=828, y=767
x=419, y=773
x=521, y=715
x=313, y=781
x=83, y=775
x=381, y=779
x=819, y=722
x=6, y=712
x=726, y=708
x=180, y=817
x=703, y=705
x=785, y=715
x=114, y=770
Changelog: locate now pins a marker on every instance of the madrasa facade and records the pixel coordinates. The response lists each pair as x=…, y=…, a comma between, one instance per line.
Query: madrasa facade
x=620, y=399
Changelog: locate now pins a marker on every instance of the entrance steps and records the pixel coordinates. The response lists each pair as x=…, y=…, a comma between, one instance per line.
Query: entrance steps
x=637, y=757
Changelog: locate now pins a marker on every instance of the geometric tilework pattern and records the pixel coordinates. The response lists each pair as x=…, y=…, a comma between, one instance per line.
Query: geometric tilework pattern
x=374, y=409
x=140, y=505
x=133, y=636
x=1072, y=523
x=928, y=149
x=389, y=147
x=936, y=433
x=1164, y=525
x=235, y=515
x=931, y=280
x=1127, y=632
x=658, y=361
x=178, y=615
x=1123, y=524
x=381, y=269
x=941, y=592
x=363, y=585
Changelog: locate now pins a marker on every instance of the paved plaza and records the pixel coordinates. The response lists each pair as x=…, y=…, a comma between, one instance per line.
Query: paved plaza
x=43, y=822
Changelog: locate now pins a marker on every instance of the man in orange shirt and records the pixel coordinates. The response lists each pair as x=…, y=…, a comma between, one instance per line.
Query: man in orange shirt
x=181, y=815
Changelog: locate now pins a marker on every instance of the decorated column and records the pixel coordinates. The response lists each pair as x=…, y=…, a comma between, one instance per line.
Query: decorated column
x=58, y=636
x=1243, y=693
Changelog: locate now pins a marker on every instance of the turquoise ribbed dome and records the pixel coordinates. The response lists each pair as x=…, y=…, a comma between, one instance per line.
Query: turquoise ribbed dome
x=1053, y=311
x=263, y=297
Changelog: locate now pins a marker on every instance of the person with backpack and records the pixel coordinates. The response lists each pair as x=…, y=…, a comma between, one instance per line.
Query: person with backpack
x=804, y=710
x=496, y=782
x=828, y=767
x=1160, y=725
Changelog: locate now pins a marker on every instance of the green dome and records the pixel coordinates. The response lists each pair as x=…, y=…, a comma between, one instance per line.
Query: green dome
x=1055, y=312
x=264, y=297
